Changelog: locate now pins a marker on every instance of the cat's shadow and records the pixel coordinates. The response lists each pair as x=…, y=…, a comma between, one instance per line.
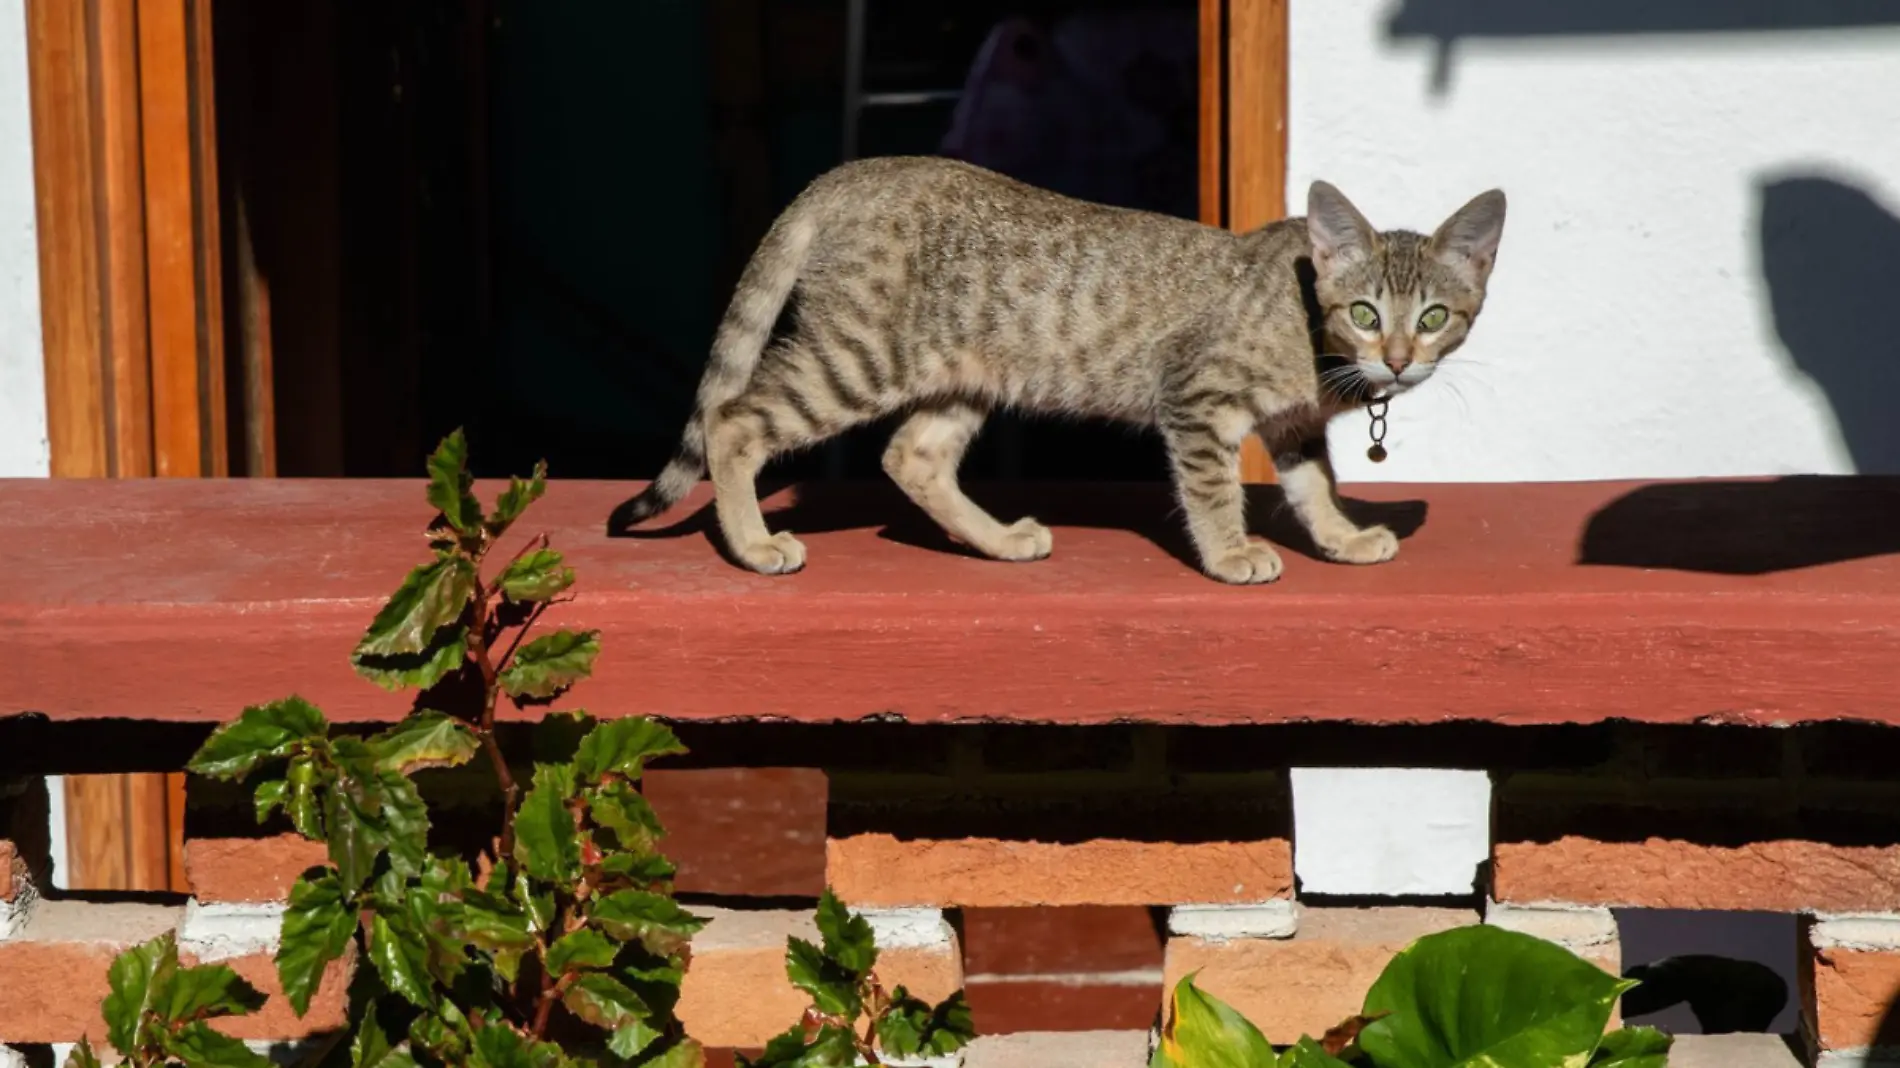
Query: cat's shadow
x=1144, y=508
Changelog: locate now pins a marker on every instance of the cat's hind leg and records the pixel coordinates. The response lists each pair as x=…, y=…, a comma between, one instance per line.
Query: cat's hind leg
x=922, y=459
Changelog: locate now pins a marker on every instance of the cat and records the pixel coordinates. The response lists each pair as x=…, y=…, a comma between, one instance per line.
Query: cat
x=941, y=290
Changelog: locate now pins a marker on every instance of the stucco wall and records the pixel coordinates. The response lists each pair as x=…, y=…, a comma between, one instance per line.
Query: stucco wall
x=1696, y=274
x=22, y=376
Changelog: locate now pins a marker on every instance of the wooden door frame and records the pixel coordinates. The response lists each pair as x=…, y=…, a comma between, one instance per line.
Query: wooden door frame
x=131, y=303
x=1243, y=132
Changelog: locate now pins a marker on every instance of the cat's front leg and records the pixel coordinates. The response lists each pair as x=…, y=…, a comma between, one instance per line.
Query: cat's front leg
x=1205, y=454
x=1306, y=477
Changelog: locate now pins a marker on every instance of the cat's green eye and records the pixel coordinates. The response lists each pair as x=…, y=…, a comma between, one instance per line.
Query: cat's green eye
x=1364, y=316
x=1434, y=318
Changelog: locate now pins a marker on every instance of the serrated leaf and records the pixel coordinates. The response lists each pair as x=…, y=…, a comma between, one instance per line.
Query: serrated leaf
x=547, y=842
x=682, y=1053
x=369, y=812
x=582, y=949
x=604, y=1001
x=648, y=869
x=499, y=1046
x=207, y=992
x=653, y=920
x=269, y=797
x=82, y=1056
x=316, y=930
x=535, y=576
x=421, y=670
x=623, y=746
x=260, y=733
x=450, y=485
x=516, y=498
x=631, y=1039
x=427, y=739
x=537, y=904
x=444, y=1034
x=1633, y=1047
x=372, y=1048
x=304, y=805
x=140, y=980
x=201, y=1047
x=618, y=807
x=551, y=663
x=1202, y=1031
x=848, y=938
x=833, y=989
x=911, y=1028
x=431, y=597
x=1486, y=994
x=832, y=1047
x=494, y=923
x=401, y=956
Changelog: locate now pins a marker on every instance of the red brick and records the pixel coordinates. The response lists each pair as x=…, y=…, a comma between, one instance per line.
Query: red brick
x=756, y=832
x=248, y=869
x=882, y=870
x=1047, y=941
x=1770, y=876
x=1856, y=998
x=1011, y=1008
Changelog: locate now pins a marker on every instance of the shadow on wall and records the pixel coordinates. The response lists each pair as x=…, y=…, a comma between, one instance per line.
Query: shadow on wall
x=1446, y=21
x=1830, y=255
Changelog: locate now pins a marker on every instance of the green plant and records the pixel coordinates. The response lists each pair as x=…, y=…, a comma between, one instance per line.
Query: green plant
x=1474, y=997
x=570, y=949
x=156, y=1012
x=839, y=975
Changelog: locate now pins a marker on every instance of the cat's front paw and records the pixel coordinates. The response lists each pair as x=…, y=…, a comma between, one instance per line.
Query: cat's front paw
x=1025, y=539
x=780, y=554
x=1250, y=565
x=1373, y=545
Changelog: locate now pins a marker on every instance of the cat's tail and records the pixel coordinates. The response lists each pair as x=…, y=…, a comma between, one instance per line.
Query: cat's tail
x=763, y=289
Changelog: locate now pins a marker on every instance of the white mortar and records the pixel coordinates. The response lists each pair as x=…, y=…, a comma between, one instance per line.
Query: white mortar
x=222, y=931
x=1221, y=923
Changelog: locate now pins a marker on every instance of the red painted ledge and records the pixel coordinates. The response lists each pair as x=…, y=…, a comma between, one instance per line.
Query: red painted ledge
x=1759, y=602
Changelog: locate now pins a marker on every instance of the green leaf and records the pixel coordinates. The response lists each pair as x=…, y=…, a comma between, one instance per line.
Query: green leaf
x=209, y=991
x=654, y=920
x=579, y=950
x=682, y=1053
x=1202, y=1031
x=450, y=485
x=425, y=740
x=516, y=498
x=499, y=1046
x=494, y=923
x=260, y=733
x=82, y=1056
x=444, y=1033
x=910, y=1028
x=1485, y=995
x=304, y=806
x=537, y=904
x=431, y=597
x=427, y=912
x=618, y=807
x=833, y=989
x=558, y=737
x=1633, y=1047
x=444, y=656
x=372, y=1048
x=535, y=576
x=269, y=797
x=604, y=1001
x=401, y=956
x=832, y=1047
x=316, y=930
x=140, y=979
x=623, y=746
x=368, y=812
x=547, y=843
x=551, y=663
x=648, y=869
x=848, y=938
x=629, y=1040
x=201, y=1047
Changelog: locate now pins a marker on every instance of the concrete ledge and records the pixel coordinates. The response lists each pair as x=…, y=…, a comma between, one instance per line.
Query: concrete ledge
x=221, y=932
x=1853, y=1058
x=1732, y=1051
x=1069, y=1049
x=1219, y=923
x=1874, y=933
x=1578, y=928
x=126, y=590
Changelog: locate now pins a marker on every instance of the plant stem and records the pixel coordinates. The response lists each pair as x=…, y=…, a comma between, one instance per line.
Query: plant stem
x=485, y=728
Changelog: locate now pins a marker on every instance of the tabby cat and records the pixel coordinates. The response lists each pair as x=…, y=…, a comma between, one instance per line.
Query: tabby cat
x=942, y=290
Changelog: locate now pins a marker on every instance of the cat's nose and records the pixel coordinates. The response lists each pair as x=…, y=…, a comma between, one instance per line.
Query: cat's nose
x=1398, y=359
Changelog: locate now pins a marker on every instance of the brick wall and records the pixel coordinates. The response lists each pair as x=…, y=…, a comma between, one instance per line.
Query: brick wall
x=1066, y=875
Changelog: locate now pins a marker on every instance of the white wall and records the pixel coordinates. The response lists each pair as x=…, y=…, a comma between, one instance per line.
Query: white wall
x=1632, y=329
x=23, y=450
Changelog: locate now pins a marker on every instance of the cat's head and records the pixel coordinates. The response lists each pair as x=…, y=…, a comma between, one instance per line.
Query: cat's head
x=1395, y=303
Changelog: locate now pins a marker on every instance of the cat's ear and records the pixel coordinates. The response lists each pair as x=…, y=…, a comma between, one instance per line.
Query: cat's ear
x=1338, y=232
x=1468, y=241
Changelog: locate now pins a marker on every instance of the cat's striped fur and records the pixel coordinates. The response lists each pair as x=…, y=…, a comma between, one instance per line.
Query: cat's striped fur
x=942, y=290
